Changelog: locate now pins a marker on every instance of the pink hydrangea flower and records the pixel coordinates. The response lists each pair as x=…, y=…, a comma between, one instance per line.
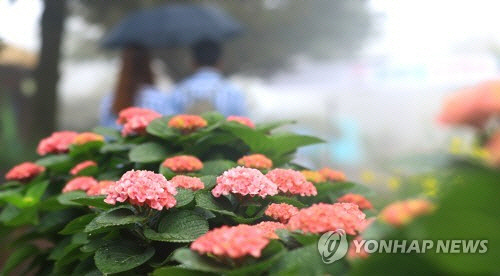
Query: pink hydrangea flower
x=313, y=176
x=241, y=120
x=322, y=217
x=81, y=183
x=233, y=242
x=269, y=228
x=135, y=120
x=187, y=182
x=101, y=188
x=402, y=212
x=58, y=142
x=281, y=211
x=86, y=137
x=256, y=161
x=81, y=166
x=293, y=182
x=332, y=175
x=244, y=181
x=359, y=200
x=143, y=187
x=183, y=163
x=187, y=123
x=24, y=171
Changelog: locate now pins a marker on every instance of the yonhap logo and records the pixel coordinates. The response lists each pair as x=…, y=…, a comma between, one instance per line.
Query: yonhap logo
x=332, y=246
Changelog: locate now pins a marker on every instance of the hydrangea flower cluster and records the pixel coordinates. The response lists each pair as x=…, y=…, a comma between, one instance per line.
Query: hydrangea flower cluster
x=233, y=242
x=241, y=120
x=101, y=188
x=81, y=166
x=244, y=181
x=187, y=182
x=86, y=137
x=24, y=171
x=293, y=182
x=402, y=212
x=183, y=163
x=322, y=217
x=187, y=123
x=58, y=142
x=269, y=228
x=313, y=176
x=332, y=175
x=357, y=199
x=143, y=187
x=81, y=183
x=281, y=211
x=256, y=161
x=135, y=120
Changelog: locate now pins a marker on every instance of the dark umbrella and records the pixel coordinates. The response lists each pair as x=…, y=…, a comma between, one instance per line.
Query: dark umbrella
x=173, y=25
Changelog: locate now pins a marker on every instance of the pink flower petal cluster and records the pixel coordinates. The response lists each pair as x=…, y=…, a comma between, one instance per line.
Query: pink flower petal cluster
x=256, y=161
x=269, y=228
x=402, y=212
x=58, y=142
x=313, y=176
x=24, y=171
x=322, y=217
x=244, y=181
x=292, y=182
x=281, y=211
x=135, y=120
x=187, y=123
x=101, y=188
x=81, y=183
x=472, y=106
x=183, y=163
x=81, y=166
x=241, y=120
x=187, y=182
x=86, y=137
x=332, y=175
x=234, y=242
x=357, y=199
x=143, y=187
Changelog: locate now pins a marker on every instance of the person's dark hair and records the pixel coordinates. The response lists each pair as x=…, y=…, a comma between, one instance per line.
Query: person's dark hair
x=206, y=52
x=136, y=70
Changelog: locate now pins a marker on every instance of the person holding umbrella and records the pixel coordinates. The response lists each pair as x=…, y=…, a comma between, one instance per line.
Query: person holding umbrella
x=207, y=89
x=135, y=87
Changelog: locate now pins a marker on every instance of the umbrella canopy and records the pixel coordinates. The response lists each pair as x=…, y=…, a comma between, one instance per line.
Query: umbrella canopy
x=173, y=25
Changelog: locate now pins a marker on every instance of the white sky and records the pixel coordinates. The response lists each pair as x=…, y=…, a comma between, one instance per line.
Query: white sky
x=409, y=28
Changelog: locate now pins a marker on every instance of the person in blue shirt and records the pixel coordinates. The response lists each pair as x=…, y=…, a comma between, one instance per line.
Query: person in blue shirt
x=135, y=87
x=207, y=89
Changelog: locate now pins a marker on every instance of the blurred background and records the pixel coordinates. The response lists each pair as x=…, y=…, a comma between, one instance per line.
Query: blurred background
x=368, y=76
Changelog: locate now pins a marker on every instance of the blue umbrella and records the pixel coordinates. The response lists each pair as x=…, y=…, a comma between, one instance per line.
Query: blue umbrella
x=173, y=25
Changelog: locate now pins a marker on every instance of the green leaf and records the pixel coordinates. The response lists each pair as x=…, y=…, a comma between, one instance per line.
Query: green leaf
x=107, y=132
x=181, y=226
x=205, y=200
x=17, y=257
x=209, y=181
x=115, y=147
x=266, y=127
x=77, y=225
x=195, y=261
x=270, y=255
x=59, y=162
x=122, y=256
x=67, y=198
x=183, y=197
x=13, y=216
x=257, y=141
x=36, y=191
x=148, y=153
x=289, y=142
x=287, y=200
x=159, y=128
x=118, y=216
x=212, y=117
x=91, y=147
x=216, y=167
x=93, y=201
x=179, y=271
